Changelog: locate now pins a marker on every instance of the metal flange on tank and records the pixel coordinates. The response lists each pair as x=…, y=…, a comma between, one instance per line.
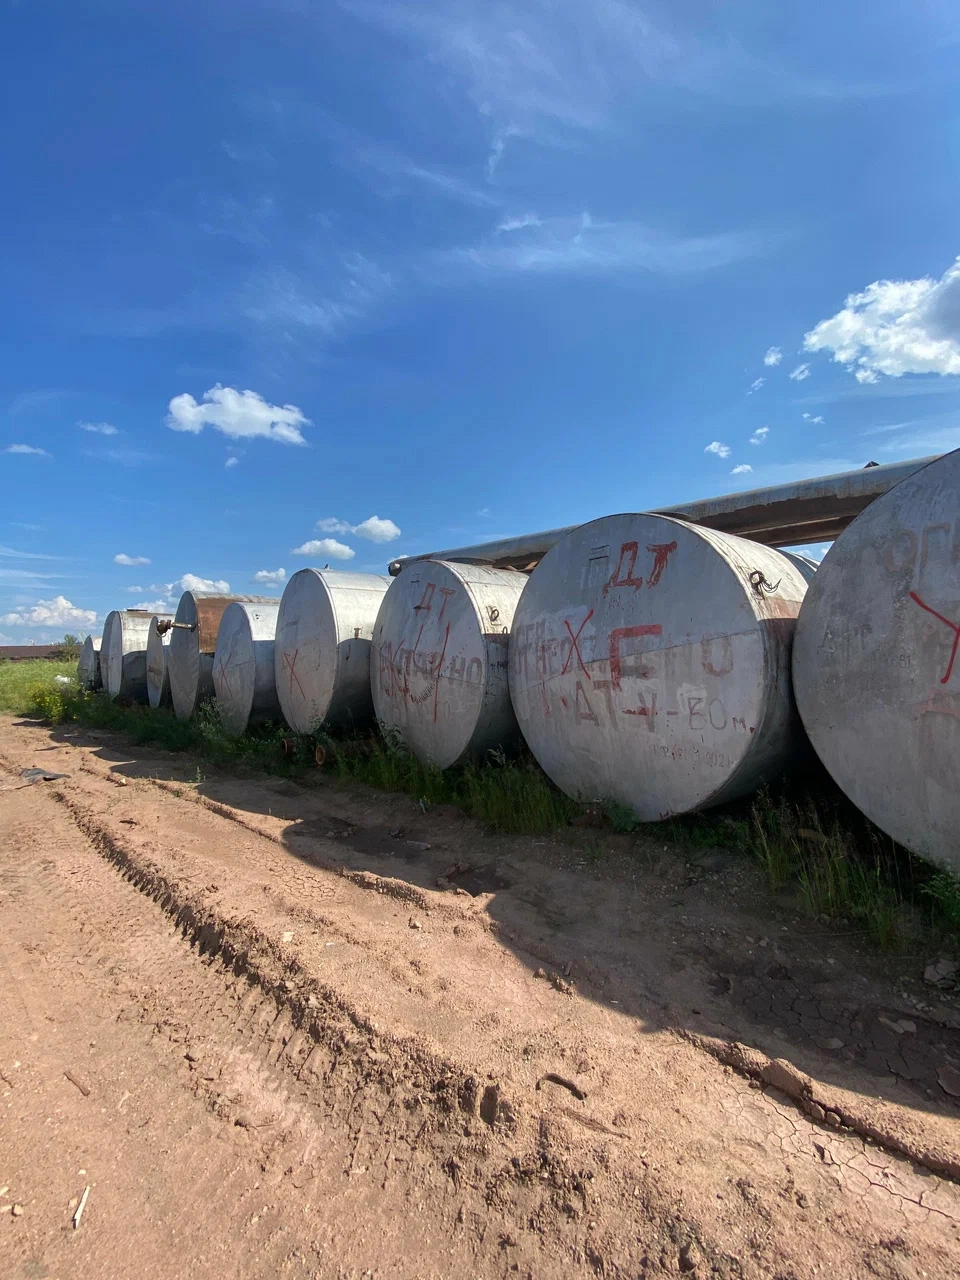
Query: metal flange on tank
x=192, y=646
x=243, y=674
x=649, y=664
x=158, y=674
x=876, y=666
x=439, y=659
x=88, y=667
x=123, y=653
x=322, y=649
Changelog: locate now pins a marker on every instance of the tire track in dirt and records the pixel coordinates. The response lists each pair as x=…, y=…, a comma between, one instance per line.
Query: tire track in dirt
x=889, y=1126
x=532, y=1185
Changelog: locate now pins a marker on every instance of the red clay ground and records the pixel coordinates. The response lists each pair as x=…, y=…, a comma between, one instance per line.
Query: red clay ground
x=310, y=1031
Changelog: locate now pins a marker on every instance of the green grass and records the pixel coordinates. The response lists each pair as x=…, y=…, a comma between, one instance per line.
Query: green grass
x=19, y=679
x=808, y=842
x=260, y=748
x=512, y=796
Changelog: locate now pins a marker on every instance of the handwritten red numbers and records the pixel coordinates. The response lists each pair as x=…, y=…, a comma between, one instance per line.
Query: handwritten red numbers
x=628, y=554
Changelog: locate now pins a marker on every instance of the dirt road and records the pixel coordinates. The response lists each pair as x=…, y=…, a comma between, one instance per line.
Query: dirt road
x=307, y=1031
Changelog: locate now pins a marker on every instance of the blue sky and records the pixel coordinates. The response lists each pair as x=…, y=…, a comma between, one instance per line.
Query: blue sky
x=384, y=277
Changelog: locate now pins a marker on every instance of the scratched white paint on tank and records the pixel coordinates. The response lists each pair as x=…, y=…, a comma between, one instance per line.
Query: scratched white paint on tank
x=322, y=650
x=877, y=661
x=88, y=667
x=243, y=675
x=439, y=659
x=649, y=664
x=123, y=654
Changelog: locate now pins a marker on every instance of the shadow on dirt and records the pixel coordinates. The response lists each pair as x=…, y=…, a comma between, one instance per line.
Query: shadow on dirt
x=628, y=921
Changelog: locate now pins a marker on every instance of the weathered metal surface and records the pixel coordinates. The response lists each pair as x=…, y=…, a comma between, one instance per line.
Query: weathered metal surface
x=782, y=516
x=88, y=668
x=123, y=653
x=439, y=659
x=650, y=664
x=192, y=646
x=158, y=676
x=807, y=566
x=243, y=675
x=322, y=650
x=876, y=667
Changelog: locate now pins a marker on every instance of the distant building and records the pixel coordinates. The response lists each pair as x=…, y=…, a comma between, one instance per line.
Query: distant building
x=19, y=652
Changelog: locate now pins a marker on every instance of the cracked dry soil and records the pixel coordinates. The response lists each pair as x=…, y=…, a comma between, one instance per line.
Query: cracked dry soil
x=308, y=1031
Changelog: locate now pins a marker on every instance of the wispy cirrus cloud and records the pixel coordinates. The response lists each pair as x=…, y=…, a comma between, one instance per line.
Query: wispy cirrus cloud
x=26, y=449
x=584, y=245
x=531, y=67
x=99, y=428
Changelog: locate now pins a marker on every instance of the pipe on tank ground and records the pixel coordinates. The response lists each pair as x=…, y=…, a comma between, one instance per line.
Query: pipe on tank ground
x=650, y=664
x=88, y=667
x=876, y=662
x=192, y=646
x=243, y=675
x=439, y=660
x=123, y=653
x=322, y=649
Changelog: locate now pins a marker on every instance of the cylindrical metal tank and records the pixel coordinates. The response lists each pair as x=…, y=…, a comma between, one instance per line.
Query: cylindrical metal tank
x=875, y=661
x=88, y=668
x=123, y=653
x=439, y=659
x=243, y=675
x=322, y=650
x=158, y=676
x=192, y=646
x=650, y=664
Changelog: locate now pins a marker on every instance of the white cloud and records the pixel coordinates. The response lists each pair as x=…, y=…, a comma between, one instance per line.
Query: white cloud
x=756, y=385
x=26, y=448
x=815, y=418
x=155, y=606
x=272, y=576
x=99, y=428
x=773, y=357
x=129, y=561
x=484, y=511
x=238, y=414
x=721, y=450
x=190, y=582
x=327, y=547
x=895, y=327
x=518, y=224
x=206, y=586
x=135, y=591
x=231, y=462
x=741, y=469
x=374, y=529
x=760, y=435
x=582, y=244
x=801, y=372
x=58, y=612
